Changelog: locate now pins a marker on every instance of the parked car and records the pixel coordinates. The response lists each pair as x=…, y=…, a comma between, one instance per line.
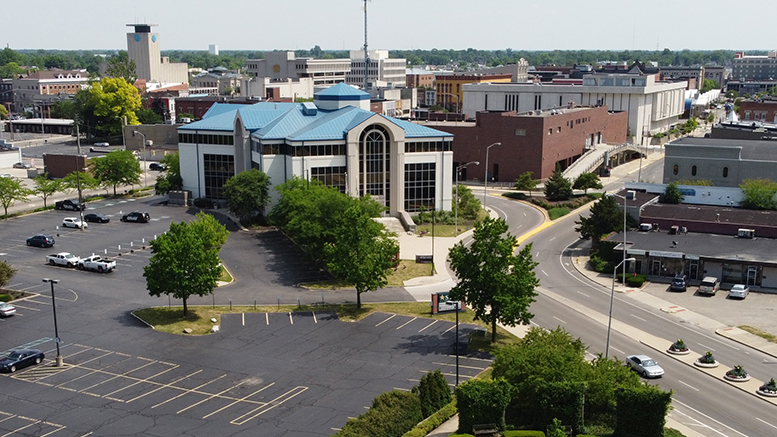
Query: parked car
x=739, y=291
x=101, y=144
x=679, y=283
x=41, y=241
x=63, y=259
x=70, y=205
x=157, y=166
x=96, y=217
x=709, y=285
x=136, y=216
x=21, y=358
x=73, y=222
x=21, y=165
x=97, y=263
x=6, y=175
x=645, y=366
x=6, y=309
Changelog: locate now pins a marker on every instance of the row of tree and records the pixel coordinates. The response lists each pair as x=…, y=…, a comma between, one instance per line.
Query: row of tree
x=558, y=187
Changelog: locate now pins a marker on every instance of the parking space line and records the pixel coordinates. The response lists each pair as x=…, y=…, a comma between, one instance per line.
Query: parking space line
x=213, y=395
x=156, y=389
x=389, y=318
x=404, y=324
x=314, y=317
x=61, y=427
x=185, y=391
x=269, y=405
x=461, y=366
x=237, y=401
x=424, y=328
x=137, y=381
x=243, y=315
x=449, y=329
x=19, y=429
x=472, y=358
x=119, y=375
x=26, y=308
x=10, y=416
x=267, y=318
x=290, y=319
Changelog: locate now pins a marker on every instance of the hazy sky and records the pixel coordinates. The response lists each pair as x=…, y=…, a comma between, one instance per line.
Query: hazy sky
x=394, y=24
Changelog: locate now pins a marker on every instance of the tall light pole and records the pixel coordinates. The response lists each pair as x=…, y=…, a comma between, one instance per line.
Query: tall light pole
x=56, y=330
x=624, y=235
x=456, y=200
x=145, y=170
x=612, y=298
x=80, y=197
x=485, y=184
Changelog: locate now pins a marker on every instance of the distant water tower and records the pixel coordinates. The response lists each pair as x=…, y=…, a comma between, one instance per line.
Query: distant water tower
x=213, y=49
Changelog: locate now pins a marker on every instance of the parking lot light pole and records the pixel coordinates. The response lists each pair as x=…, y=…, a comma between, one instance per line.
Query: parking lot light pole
x=456, y=201
x=612, y=298
x=624, y=235
x=485, y=181
x=60, y=360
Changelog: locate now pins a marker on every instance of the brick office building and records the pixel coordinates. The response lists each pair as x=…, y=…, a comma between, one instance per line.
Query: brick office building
x=763, y=110
x=536, y=141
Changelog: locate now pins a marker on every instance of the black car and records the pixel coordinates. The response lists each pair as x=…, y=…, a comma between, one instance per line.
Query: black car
x=136, y=216
x=96, y=218
x=70, y=205
x=21, y=358
x=157, y=166
x=679, y=283
x=41, y=241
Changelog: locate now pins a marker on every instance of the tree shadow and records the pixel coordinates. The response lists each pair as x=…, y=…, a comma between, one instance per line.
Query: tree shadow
x=287, y=260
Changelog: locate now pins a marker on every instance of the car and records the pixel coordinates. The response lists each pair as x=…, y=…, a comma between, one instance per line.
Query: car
x=73, y=222
x=136, y=216
x=69, y=205
x=21, y=358
x=6, y=309
x=5, y=175
x=41, y=241
x=157, y=166
x=102, y=145
x=21, y=165
x=95, y=217
x=679, y=283
x=739, y=291
x=644, y=365
x=709, y=285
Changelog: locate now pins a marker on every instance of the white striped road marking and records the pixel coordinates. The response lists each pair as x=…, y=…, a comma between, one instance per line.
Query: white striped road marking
x=707, y=348
x=244, y=318
x=559, y=320
x=583, y=293
x=617, y=350
x=314, y=317
x=763, y=421
x=638, y=318
x=422, y=329
x=402, y=325
x=392, y=316
x=290, y=319
x=688, y=385
x=267, y=318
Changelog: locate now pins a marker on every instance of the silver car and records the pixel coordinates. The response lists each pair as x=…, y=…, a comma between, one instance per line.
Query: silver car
x=739, y=291
x=644, y=365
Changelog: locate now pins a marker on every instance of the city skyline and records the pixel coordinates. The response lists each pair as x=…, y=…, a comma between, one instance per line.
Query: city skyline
x=399, y=25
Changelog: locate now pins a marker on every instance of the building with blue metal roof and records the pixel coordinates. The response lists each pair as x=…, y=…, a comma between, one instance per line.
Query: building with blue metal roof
x=334, y=139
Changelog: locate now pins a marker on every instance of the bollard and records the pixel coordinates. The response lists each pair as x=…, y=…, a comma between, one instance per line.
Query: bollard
x=119, y=247
x=322, y=298
x=578, y=260
x=131, y=244
x=299, y=303
x=143, y=240
x=230, y=304
x=279, y=301
x=106, y=252
x=254, y=304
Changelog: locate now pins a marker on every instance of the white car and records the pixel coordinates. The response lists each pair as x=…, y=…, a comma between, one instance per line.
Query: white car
x=644, y=365
x=739, y=291
x=73, y=222
x=6, y=309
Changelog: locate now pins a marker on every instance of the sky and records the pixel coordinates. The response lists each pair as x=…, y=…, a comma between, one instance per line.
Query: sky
x=394, y=24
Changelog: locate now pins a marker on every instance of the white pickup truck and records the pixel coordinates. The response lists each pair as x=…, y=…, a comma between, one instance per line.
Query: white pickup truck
x=63, y=259
x=97, y=263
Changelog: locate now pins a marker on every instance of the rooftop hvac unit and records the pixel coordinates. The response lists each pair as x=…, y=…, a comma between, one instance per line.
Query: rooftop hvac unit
x=746, y=233
x=631, y=194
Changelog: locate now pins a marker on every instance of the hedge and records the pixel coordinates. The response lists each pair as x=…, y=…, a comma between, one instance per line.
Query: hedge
x=642, y=411
x=524, y=433
x=433, y=391
x=434, y=421
x=482, y=402
x=392, y=414
x=559, y=400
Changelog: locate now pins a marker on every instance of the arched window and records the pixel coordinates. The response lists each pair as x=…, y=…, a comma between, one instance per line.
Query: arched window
x=375, y=163
x=675, y=169
x=693, y=171
x=725, y=172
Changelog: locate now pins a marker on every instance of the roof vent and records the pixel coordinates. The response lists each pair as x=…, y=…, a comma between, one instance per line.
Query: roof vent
x=309, y=108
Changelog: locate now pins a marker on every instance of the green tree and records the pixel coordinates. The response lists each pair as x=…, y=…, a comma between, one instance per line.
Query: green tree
x=587, y=181
x=3, y=112
x=672, y=194
x=120, y=66
x=526, y=182
x=558, y=187
x=605, y=217
x=44, y=187
x=159, y=107
x=363, y=252
x=107, y=103
x=6, y=273
x=759, y=193
x=433, y=391
x=148, y=116
x=171, y=179
x=10, y=70
x=73, y=180
x=710, y=118
x=64, y=109
x=498, y=285
x=469, y=206
x=116, y=168
x=710, y=84
x=228, y=91
x=247, y=193
x=185, y=259
x=11, y=191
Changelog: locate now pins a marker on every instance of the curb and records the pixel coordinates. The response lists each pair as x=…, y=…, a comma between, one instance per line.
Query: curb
x=721, y=332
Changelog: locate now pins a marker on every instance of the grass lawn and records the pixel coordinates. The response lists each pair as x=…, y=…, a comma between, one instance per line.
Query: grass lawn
x=555, y=213
x=758, y=332
x=224, y=276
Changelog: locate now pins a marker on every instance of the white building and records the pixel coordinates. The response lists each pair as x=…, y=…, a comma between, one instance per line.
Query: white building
x=143, y=48
x=335, y=139
x=382, y=71
x=653, y=106
x=285, y=65
x=265, y=87
x=213, y=49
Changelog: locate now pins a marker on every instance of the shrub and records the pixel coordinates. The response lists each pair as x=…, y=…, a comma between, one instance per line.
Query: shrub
x=6, y=273
x=433, y=391
x=5, y=298
x=519, y=196
x=434, y=421
x=202, y=202
x=671, y=432
x=599, y=264
x=635, y=280
x=642, y=410
x=524, y=433
x=391, y=415
x=707, y=358
x=679, y=345
x=482, y=402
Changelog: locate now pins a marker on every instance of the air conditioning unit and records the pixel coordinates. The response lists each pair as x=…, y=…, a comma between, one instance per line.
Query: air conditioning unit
x=746, y=233
x=631, y=194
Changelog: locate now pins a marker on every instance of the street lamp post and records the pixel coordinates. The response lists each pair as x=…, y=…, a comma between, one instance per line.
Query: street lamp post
x=80, y=197
x=612, y=298
x=485, y=181
x=145, y=170
x=56, y=330
x=624, y=235
x=456, y=201
x=458, y=308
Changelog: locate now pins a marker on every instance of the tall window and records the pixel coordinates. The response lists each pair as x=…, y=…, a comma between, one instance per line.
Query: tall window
x=375, y=164
x=218, y=168
x=725, y=172
x=675, y=169
x=330, y=176
x=693, y=171
x=420, y=186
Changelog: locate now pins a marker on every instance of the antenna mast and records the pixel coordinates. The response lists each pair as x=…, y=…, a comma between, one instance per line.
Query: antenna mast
x=366, y=59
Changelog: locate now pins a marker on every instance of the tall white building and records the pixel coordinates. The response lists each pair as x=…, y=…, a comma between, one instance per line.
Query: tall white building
x=213, y=49
x=381, y=72
x=143, y=48
x=285, y=65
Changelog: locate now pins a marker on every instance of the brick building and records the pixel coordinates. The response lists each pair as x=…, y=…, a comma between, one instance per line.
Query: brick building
x=535, y=141
x=417, y=78
x=763, y=110
x=450, y=94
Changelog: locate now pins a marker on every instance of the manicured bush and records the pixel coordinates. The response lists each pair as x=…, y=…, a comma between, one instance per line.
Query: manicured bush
x=671, y=432
x=599, y=265
x=642, y=411
x=524, y=433
x=392, y=414
x=635, y=280
x=482, y=402
x=519, y=196
x=434, y=421
x=202, y=202
x=559, y=400
x=5, y=298
x=433, y=391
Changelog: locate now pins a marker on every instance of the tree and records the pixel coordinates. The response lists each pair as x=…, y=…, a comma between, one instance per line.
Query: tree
x=587, y=181
x=710, y=84
x=11, y=191
x=526, y=182
x=171, y=179
x=469, y=207
x=434, y=392
x=10, y=70
x=710, y=118
x=107, y=103
x=498, y=285
x=64, y=109
x=7, y=272
x=759, y=193
x=558, y=187
x=672, y=194
x=76, y=180
x=159, y=107
x=363, y=252
x=116, y=168
x=120, y=66
x=3, y=112
x=247, y=193
x=45, y=187
x=185, y=261
x=228, y=91
x=148, y=116
x=606, y=216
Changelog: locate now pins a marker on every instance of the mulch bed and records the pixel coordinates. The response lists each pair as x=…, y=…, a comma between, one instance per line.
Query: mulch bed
x=15, y=294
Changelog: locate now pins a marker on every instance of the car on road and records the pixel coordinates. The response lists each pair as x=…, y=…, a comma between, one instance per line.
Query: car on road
x=41, y=241
x=644, y=365
x=73, y=222
x=96, y=217
x=739, y=291
x=5, y=175
x=6, y=309
x=157, y=166
x=679, y=283
x=21, y=358
x=136, y=216
x=21, y=165
x=69, y=205
x=102, y=144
